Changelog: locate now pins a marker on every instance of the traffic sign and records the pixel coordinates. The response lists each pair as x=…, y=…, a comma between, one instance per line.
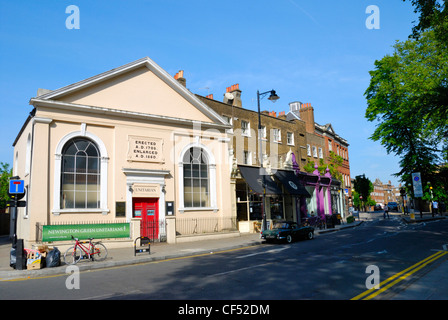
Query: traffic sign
x=417, y=184
x=16, y=186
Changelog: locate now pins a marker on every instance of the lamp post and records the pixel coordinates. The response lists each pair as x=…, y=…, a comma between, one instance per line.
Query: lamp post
x=430, y=198
x=273, y=97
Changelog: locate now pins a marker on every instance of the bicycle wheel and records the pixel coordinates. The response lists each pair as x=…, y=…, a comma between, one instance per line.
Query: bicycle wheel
x=72, y=255
x=99, y=251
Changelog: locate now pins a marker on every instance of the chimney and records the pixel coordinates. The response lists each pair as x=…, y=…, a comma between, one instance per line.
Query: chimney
x=180, y=77
x=210, y=96
x=42, y=92
x=273, y=114
x=233, y=96
x=307, y=115
x=282, y=115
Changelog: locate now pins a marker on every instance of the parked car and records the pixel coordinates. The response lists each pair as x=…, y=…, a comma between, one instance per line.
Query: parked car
x=378, y=207
x=288, y=231
x=393, y=206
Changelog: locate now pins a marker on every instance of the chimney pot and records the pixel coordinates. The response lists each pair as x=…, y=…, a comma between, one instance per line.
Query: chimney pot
x=235, y=90
x=180, y=77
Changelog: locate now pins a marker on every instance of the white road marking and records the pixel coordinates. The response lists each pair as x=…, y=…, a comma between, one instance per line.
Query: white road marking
x=238, y=270
x=257, y=253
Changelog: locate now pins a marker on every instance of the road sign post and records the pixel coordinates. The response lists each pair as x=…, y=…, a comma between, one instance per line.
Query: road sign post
x=16, y=192
x=418, y=189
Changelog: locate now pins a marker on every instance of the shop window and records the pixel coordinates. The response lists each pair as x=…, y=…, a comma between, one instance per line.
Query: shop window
x=80, y=175
x=276, y=204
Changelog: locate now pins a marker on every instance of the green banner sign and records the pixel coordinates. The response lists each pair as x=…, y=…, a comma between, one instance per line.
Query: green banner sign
x=85, y=231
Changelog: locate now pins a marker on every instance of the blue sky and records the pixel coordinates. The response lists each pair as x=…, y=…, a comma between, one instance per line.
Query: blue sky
x=309, y=51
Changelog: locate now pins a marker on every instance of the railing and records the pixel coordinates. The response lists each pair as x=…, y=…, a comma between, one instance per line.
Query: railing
x=154, y=230
x=195, y=226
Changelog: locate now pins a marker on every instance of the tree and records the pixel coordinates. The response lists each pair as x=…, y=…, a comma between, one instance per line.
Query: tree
x=363, y=187
x=404, y=97
x=433, y=15
x=5, y=175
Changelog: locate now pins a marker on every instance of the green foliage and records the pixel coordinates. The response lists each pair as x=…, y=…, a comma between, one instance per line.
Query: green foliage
x=5, y=175
x=433, y=15
x=334, y=163
x=363, y=187
x=350, y=219
x=407, y=97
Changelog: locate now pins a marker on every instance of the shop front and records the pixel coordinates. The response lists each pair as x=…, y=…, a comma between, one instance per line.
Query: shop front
x=278, y=195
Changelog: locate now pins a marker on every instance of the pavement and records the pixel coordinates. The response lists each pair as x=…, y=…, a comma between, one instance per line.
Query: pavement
x=158, y=251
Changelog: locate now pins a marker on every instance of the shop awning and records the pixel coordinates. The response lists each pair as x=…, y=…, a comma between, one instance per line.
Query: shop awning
x=292, y=183
x=255, y=180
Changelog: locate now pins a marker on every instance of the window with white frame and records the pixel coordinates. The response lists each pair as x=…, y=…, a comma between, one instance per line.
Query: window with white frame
x=79, y=169
x=321, y=154
x=196, y=179
x=28, y=155
x=247, y=159
x=290, y=138
x=245, y=128
x=277, y=135
x=330, y=147
x=263, y=132
x=314, y=152
x=80, y=175
x=308, y=150
x=230, y=121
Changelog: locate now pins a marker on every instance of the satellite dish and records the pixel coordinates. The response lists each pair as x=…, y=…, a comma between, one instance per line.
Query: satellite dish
x=229, y=96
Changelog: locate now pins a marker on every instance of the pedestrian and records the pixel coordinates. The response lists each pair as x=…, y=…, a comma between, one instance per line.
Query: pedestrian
x=435, y=207
x=386, y=211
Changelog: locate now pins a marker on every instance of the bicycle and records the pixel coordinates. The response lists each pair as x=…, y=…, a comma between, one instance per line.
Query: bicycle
x=316, y=222
x=80, y=251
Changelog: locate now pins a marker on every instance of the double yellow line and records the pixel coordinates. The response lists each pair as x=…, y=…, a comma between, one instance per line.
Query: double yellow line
x=386, y=284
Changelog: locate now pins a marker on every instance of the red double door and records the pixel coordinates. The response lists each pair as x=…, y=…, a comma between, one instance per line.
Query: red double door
x=147, y=209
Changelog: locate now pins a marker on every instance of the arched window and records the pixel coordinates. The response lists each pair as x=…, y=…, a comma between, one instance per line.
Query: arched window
x=80, y=175
x=196, y=178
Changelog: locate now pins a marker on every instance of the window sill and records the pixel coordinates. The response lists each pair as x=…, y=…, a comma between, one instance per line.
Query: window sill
x=63, y=211
x=181, y=210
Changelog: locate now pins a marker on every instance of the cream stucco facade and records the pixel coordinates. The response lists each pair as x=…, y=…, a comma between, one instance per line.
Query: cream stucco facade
x=89, y=150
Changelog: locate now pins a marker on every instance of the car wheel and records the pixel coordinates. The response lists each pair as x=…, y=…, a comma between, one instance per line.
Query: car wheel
x=310, y=235
x=289, y=238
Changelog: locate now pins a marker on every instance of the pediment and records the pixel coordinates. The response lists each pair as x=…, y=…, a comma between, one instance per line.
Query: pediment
x=141, y=87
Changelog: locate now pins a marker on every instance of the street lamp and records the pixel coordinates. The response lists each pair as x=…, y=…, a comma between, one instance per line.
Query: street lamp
x=273, y=97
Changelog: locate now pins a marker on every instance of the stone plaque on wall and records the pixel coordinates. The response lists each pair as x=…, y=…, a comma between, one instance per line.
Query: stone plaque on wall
x=145, y=149
x=140, y=190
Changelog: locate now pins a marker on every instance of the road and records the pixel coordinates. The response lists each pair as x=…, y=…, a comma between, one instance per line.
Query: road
x=330, y=267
